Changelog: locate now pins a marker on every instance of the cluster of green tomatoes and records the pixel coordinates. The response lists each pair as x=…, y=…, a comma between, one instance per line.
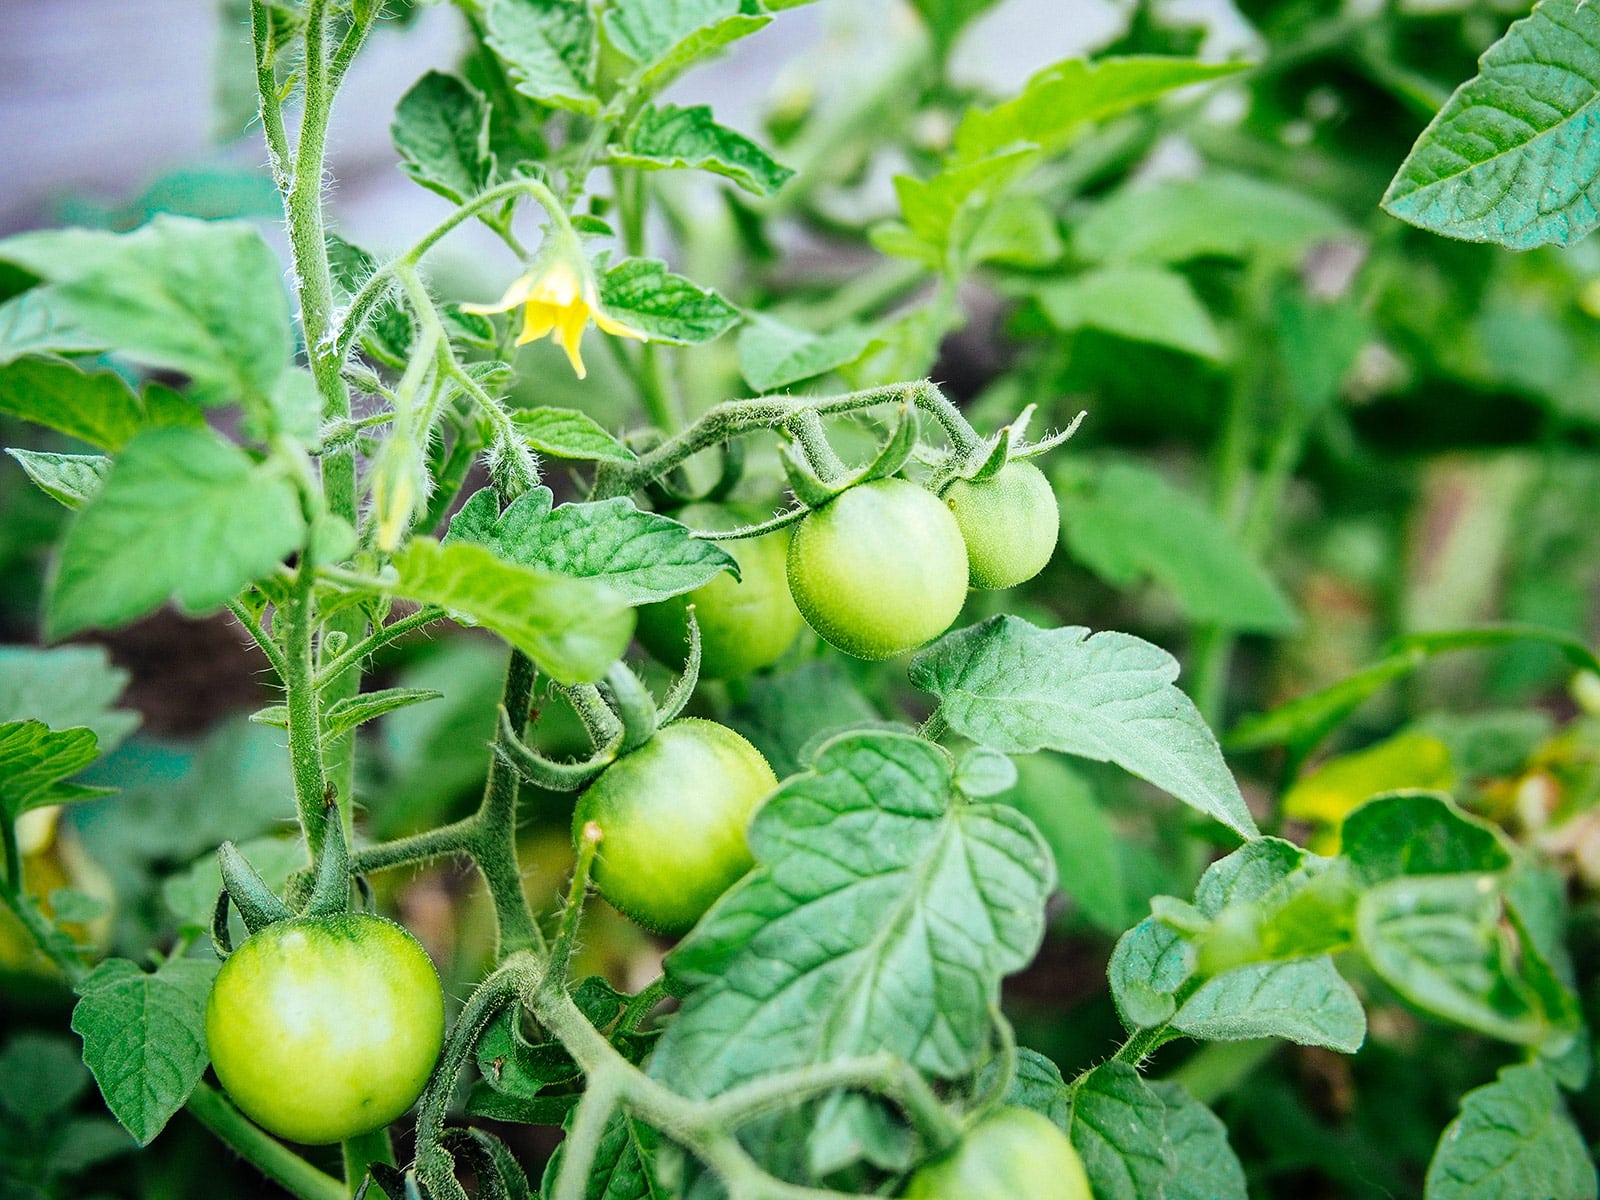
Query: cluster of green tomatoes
x=322, y=1028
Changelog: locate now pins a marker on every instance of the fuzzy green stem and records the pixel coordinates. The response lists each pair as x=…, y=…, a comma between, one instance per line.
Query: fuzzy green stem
x=260, y=637
x=273, y=1159
x=300, y=697
x=495, y=847
x=359, y=1153
x=444, y=840
x=566, y=938
x=348, y=659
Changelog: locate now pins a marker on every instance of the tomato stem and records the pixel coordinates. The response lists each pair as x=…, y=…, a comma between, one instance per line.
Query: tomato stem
x=269, y=1156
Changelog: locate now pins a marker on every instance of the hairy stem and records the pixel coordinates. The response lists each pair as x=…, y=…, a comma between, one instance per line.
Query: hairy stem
x=269, y=1156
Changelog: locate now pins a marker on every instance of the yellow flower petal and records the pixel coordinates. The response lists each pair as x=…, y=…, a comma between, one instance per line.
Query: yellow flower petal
x=569, y=332
x=521, y=288
x=538, y=319
x=616, y=328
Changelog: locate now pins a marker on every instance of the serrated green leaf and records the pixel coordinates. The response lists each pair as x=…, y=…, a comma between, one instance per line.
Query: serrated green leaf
x=568, y=433
x=775, y=354
x=573, y=629
x=1150, y=963
x=1305, y=1001
x=96, y=407
x=1506, y=159
x=1119, y=1128
x=183, y=515
x=1060, y=100
x=670, y=136
x=70, y=479
x=1126, y=523
x=144, y=1037
x=641, y=556
x=1215, y=216
x=1441, y=942
x=665, y=36
x=1109, y=697
x=202, y=297
x=881, y=917
x=1142, y=304
x=31, y=323
x=35, y=759
x=944, y=212
x=641, y=292
x=624, y=1163
x=66, y=687
x=1514, y=1137
x=1203, y=1164
x=347, y=713
x=441, y=129
x=549, y=48
x=1420, y=833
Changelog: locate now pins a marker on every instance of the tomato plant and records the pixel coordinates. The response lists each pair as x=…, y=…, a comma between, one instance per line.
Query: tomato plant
x=672, y=817
x=1010, y=1152
x=879, y=569
x=746, y=623
x=324, y=1028
x=1192, y=788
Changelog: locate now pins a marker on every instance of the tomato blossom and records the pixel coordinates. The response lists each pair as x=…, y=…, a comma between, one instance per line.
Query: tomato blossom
x=561, y=298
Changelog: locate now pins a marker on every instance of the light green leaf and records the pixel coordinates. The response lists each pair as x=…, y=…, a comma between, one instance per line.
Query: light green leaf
x=1142, y=304
x=774, y=354
x=1060, y=100
x=1441, y=941
x=1202, y=1164
x=1126, y=523
x=183, y=515
x=549, y=48
x=441, y=129
x=31, y=324
x=641, y=556
x=1119, y=1128
x=1087, y=849
x=1215, y=216
x=202, y=297
x=1109, y=697
x=72, y=479
x=144, y=1037
x=1303, y=1000
x=1016, y=231
x=880, y=918
x=947, y=18
x=568, y=433
x=670, y=136
x=1507, y=159
x=641, y=292
x=944, y=212
x=573, y=629
x=99, y=407
x=66, y=687
x=665, y=36
x=34, y=761
x=348, y=713
x=1514, y=1137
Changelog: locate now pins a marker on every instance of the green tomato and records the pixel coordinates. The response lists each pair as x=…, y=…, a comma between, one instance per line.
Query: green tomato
x=672, y=817
x=323, y=1028
x=745, y=623
x=1012, y=1153
x=879, y=569
x=1010, y=523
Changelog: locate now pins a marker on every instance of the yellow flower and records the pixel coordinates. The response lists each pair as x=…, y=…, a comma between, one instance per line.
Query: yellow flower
x=561, y=298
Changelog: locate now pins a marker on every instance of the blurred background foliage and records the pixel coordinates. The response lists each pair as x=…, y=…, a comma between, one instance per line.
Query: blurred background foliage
x=1311, y=430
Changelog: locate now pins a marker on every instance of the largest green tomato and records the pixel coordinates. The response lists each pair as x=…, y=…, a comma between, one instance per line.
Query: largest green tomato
x=324, y=1028
x=1012, y=1154
x=879, y=569
x=745, y=623
x=672, y=817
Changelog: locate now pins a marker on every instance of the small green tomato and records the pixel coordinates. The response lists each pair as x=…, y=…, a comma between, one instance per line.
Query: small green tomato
x=327, y=1027
x=1010, y=523
x=1012, y=1154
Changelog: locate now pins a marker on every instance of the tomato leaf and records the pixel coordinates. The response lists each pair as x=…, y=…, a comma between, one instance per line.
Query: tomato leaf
x=1419, y=833
x=96, y=407
x=1514, y=1137
x=641, y=556
x=1119, y=1128
x=34, y=761
x=183, y=515
x=549, y=48
x=34, y=323
x=574, y=629
x=1305, y=1001
x=663, y=39
x=1202, y=1164
x=66, y=687
x=1142, y=304
x=441, y=129
x=144, y=1037
x=641, y=292
x=1502, y=161
x=70, y=479
x=881, y=917
x=1109, y=697
x=624, y=1163
x=568, y=433
x=669, y=136
x=774, y=354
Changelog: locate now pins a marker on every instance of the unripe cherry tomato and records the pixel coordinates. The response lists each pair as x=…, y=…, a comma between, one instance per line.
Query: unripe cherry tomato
x=1010, y=523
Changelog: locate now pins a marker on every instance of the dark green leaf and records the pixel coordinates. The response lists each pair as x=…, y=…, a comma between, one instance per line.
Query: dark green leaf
x=1504, y=160
x=1419, y=833
x=183, y=515
x=1304, y=1000
x=1110, y=697
x=670, y=136
x=1202, y=1165
x=99, y=408
x=624, y=1164
x=144, y=1038
x=1119, y=1128
x=1514, y=1137
x=549, y=47
x=568, y=433
x=35, y=759
x=773, y=354
x=441, y=129
x=665, y=36
x=641, y=292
